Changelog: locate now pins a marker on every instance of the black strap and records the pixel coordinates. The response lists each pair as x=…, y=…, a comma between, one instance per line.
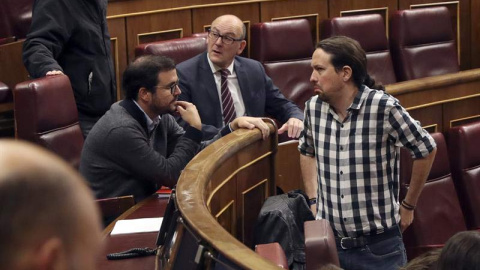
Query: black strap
x=132, y=253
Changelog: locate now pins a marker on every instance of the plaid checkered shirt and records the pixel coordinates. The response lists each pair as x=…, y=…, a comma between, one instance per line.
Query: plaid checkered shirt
x=358, y=159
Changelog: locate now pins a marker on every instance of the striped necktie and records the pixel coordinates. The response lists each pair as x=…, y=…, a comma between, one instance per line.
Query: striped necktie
x=227, y=101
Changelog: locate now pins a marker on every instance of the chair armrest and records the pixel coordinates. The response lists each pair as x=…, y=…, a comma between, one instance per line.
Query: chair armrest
x=320, y=247
x=274, y=253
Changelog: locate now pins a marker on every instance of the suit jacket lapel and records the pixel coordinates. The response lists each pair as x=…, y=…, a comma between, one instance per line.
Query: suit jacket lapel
x=212, y=97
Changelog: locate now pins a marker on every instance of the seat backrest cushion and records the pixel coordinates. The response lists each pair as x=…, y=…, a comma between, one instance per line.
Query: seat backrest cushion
x=285, y=49
x=369, y=31
x=464, y=146
x=46, y=114
x=320, y=246
x=438, y=215
x=179, y=50
x=423, y=43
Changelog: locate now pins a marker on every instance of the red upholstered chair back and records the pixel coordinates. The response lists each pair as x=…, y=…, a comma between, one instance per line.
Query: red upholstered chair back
x=15, y=18
x=438, y=215
x=46, y=114
x=179, y=50
x=422, y=43
x=274, y=253
x=285, y=49
x=373, y=41
x=464, y=150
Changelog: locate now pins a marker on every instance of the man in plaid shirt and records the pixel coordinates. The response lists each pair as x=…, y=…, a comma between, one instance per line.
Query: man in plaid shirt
x=350, y=158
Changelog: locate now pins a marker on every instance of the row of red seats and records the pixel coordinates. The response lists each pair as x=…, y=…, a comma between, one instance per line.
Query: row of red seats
x=448, y=203
x=422, y=43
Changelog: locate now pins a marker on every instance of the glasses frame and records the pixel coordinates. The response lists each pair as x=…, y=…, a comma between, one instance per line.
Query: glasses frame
x=227, y=40
x=172, y=87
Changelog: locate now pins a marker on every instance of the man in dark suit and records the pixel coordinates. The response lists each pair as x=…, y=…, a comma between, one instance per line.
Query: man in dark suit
x=247, y=86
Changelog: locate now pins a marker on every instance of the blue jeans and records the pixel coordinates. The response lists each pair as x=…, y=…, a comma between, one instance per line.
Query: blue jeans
x=384, y=255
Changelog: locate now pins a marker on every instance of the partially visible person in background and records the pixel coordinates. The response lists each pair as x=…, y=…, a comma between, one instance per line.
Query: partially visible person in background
x=71, y=38
x=48, y=216
x=461, y=252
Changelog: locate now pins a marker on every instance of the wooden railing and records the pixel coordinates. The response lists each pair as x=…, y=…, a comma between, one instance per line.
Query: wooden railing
x=221, y=191
x=441, y=102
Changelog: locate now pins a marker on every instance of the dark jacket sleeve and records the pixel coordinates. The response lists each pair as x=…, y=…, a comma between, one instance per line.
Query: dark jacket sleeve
x=131, y=150
x=277, y=105
x=50, y=30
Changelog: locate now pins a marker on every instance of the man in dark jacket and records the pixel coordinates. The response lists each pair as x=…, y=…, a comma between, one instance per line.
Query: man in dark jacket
x=71, y=37
x=137, y=146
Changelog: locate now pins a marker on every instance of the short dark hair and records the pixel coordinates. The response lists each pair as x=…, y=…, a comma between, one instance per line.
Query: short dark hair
x=143, y=72
x=345, y=51
x=461, y=251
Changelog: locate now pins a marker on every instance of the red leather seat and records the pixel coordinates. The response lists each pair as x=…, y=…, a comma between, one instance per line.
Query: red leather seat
x=320, y=246
x=285, y=49
x=464, y=150
x=179, y=49
x=438, y=215
x=422, y=43
x=373, y=41
x=46, y=114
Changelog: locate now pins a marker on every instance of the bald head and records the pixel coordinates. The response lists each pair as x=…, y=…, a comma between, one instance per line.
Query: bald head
x=237, y=25
x=226, y=40
x=47, y=214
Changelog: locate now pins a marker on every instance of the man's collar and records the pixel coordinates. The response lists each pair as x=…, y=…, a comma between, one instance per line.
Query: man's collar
x=359, y=98
x=216, y=68
x=136, y=112
x=150, y=123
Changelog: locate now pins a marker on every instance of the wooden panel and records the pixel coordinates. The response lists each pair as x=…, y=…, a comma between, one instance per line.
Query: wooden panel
x=253, y=194
x=116, y=28
x=12, y=70
x=313, y=10
x=475, y=33
x=430, y=117
x=338, y=6
x=287, y=164
x=156, y=23
x=463, y=16
x=227, y=216
x=461, y=112
x=120, y=7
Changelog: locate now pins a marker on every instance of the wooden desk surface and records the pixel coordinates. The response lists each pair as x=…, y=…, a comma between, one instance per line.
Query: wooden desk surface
x=151, y=207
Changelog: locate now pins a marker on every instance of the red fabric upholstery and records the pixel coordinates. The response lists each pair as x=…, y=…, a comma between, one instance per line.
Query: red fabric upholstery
x=438, y=215
x=5, y=94
x=422, y=43
x=15, y=18
x=285, y=49
x=374, y=42
x=320, y=246
x=464, y=150
x=46, y=114
x=274, y=253
x=179, y=50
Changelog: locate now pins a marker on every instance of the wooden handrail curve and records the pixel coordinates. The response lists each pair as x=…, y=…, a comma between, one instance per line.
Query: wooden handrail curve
x=196, y=186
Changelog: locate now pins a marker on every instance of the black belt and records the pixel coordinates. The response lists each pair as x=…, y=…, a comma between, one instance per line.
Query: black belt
x=363, y=240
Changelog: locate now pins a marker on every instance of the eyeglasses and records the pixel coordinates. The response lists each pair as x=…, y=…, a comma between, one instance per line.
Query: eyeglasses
x=172, y=87
x=228, y=40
